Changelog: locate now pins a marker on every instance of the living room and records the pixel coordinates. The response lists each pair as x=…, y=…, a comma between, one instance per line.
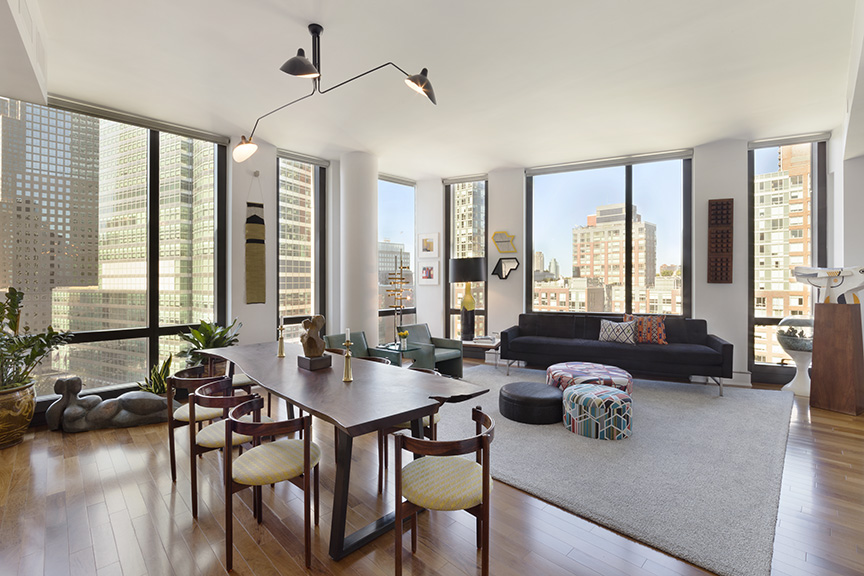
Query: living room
x=586, y=86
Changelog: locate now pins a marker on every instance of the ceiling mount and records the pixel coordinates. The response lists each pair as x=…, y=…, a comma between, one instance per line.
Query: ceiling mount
x=301, y=67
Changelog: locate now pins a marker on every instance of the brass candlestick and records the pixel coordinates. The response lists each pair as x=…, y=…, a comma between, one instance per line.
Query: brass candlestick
x=347, y=375
x=280, y=351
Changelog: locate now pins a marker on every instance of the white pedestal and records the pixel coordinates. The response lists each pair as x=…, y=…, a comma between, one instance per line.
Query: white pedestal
x=800, y=384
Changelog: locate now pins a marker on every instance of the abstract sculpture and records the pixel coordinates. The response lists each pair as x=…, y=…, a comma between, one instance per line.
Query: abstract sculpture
x=836, y=285
x=74, y=413
x=313, y=343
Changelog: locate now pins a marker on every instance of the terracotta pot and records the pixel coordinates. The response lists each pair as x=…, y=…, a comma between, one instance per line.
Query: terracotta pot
x=16, y=411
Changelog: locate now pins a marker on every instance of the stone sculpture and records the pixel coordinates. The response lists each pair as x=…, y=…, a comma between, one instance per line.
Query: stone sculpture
x=313, y=343
x=836, y=285
x=74, y=413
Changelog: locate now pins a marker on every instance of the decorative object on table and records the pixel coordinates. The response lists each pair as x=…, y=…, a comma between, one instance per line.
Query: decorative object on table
x=720, y=236
x=795, y=335
x=20, y=352
x=836, y=285
x=157, y=381
x=403, y=339
x=838, y=359
x=256, y=252
x=504, y=242
x=313, y=345
x=301, y=67
x=208, y=335
x=397, y=283
x=428, y=272
x=280, y=346
x=504, y=267
x=427, y=245
x=347, y=374
x=75, y=413
x=467, y=270
x=596, y=411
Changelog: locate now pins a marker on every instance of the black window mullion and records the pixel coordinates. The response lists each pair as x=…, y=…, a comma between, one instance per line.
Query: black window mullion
x=529, y=245
x=321, y=239
x=628, y=238
x=687, y=256
x=153, y=247
x=448, y=203
x=221, y=226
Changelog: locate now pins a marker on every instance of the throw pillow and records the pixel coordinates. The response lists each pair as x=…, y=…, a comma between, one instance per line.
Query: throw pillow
x=649, y=329
x=623, y=332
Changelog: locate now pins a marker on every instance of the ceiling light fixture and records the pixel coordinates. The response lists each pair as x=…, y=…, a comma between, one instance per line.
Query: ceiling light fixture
x=301, y=67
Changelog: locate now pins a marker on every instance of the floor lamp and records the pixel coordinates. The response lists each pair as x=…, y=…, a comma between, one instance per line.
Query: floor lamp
x=467, y=270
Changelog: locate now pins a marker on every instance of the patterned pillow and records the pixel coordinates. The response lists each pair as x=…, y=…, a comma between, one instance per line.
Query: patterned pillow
x=623, y=332
x=649, y=329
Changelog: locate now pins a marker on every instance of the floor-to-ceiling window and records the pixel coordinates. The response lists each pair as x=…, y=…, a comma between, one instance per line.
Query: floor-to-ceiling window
x=785, y=232
x=109, y=229
x=300, y=243
x=466, y=237
x=610, y=237
x=396, y=256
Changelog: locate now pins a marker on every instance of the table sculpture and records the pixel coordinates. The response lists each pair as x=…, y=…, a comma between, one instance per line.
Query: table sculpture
x=836, y=285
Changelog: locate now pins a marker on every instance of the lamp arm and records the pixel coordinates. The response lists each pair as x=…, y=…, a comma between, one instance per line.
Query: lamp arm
x=360, y=76
x=277, y=110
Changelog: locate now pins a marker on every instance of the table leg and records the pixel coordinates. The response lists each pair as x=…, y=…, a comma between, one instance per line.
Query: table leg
x=340, y=544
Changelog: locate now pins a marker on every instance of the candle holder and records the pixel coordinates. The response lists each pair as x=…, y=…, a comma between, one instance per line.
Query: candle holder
x=347, y=375
x=280, y=350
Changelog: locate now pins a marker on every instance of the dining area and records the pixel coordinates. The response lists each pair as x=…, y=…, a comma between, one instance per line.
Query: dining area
x=328, y=418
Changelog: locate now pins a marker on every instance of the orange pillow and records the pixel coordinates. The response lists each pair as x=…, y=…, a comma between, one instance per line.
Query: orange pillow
x=649, y=329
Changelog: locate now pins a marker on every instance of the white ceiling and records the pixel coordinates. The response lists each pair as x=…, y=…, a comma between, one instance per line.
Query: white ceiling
x=518, y=83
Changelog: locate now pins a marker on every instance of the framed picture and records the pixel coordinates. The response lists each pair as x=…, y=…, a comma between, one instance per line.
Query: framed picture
x=427, y=272
x=427, y=245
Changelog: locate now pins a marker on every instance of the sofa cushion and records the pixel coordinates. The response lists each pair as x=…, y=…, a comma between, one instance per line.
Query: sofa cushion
x=676, y=329
x=555, y=325
x=649, y=329
x=623, y=332
x=442, y=354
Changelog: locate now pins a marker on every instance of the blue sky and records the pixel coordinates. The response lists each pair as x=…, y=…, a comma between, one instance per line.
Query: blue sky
x=396, y=215
x=563, y=201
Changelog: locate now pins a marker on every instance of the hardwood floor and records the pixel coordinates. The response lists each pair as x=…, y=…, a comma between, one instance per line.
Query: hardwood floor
x=103, y=503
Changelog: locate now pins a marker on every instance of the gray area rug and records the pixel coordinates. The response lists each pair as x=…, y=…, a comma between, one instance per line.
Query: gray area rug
x=699, y=478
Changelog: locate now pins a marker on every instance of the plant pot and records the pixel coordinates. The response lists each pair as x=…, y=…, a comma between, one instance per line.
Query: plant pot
x=16, y=411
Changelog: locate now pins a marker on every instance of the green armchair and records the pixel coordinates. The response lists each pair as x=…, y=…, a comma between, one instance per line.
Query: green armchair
x=360, y=349
x=443, y=354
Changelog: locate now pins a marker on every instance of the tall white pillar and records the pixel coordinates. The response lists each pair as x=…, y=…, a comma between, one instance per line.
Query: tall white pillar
x=359, y=243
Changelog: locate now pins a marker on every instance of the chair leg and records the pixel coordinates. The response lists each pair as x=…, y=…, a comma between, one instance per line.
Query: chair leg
x=479, y=530
x=484, y=553
x=397, y=530
x=315, y=488
x=193, y=470
x=414, y=533
x=172, y=453
x=229, y=527
x=307, y=529
x=260, y=500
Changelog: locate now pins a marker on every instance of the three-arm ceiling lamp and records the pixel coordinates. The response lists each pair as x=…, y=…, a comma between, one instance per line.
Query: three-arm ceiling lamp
x=303, y=68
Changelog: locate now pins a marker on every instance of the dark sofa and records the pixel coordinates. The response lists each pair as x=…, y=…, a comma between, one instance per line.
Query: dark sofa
x=546, y=339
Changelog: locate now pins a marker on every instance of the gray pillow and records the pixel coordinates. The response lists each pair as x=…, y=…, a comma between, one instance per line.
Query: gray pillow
x=623, y=332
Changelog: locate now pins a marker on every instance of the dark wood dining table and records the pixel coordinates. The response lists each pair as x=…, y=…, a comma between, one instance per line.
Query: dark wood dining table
x=379, y=396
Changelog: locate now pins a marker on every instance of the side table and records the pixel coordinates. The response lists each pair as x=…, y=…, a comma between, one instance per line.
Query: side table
x=478, y=349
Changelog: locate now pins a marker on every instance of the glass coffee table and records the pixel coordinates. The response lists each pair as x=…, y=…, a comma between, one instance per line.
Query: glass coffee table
x=405, y=352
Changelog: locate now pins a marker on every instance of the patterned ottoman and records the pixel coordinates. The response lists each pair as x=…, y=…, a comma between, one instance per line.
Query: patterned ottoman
x=568, y=374
x=596, y=411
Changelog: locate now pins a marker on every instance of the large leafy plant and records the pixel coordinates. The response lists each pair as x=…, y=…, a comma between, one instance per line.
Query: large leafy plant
x=21, y=350
x=209, y=335
x=157, y=381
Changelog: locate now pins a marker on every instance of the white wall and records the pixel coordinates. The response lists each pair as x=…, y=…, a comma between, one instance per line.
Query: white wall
x=428, y=218
x=506, y=205
x=720, y=171
x=259, y=320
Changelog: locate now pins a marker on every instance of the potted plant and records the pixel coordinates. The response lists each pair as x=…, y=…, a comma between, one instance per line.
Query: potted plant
x=20, y=352
x=209, y=335
x=157, y=381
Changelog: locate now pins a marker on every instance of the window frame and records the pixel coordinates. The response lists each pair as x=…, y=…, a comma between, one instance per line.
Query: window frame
x=152, y=331
x=388, y=312
x=450, y=311
x=772, y=373
x=319, y=242
x=686, y=214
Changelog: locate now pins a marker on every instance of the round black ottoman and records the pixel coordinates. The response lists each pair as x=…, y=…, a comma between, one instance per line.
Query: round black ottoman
x=531, y=402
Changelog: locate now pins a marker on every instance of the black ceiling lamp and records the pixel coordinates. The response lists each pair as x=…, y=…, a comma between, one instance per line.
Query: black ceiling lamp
x=301, y=67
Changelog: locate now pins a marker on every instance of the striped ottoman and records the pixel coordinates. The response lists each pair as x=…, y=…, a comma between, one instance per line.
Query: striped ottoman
x=596, y=411
x=568, y=374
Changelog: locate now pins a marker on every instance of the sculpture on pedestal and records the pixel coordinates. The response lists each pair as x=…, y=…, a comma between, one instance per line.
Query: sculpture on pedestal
x=836, y=285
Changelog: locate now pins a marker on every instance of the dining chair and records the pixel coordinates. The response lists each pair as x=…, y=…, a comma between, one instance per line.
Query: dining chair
x=220, y=395
x=360, y=348
x=189, y=380
x=443, y=354
x=430, y=430
x=285, y=459
x=443, y=480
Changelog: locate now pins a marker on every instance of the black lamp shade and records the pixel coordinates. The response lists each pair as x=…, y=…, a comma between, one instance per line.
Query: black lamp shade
x=468, y=270
x=300, y=66
x=420, y=83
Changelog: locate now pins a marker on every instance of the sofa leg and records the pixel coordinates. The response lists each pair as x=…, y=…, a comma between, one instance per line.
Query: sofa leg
x=719, y=382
